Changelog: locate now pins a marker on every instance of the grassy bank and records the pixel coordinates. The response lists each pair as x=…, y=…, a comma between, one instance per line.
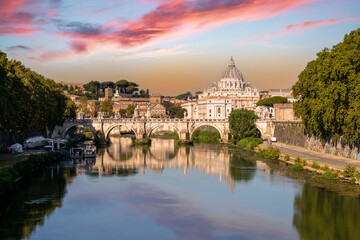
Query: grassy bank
x=348, y=174
x=22, y=167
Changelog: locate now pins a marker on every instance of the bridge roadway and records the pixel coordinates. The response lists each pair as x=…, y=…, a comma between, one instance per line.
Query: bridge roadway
x=146, y=126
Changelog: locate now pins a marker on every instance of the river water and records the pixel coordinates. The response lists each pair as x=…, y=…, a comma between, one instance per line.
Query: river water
x=170, y=192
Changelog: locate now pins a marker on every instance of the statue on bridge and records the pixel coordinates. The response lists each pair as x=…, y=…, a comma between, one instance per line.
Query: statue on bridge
x=136, y=112
x=148, y=113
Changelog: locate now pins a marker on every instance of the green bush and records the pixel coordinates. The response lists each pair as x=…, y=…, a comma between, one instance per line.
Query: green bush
x=261, y=153
x=273, y=152
x=352, y=181
x=304, y=162
x=325, y=168
x=296, y=166
x=350, y=170
x=249, y=142
x=287, y=157
x=298, y=160
x=330, y=175
x=315, y=165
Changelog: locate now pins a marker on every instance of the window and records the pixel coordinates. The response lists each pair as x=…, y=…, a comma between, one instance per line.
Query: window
x=219, y=110
x=163, y=111
x=152, y=111
x=156, y=111
x=209, y=110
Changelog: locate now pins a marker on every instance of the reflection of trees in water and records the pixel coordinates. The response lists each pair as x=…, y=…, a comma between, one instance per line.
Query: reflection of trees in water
x=241, y=169
x=34, y=200
x=319, y=214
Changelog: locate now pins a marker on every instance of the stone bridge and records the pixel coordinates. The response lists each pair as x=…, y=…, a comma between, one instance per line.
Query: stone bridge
x=143, y=127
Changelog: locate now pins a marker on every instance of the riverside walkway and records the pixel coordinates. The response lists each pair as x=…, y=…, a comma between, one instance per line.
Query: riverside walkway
x=332, y=161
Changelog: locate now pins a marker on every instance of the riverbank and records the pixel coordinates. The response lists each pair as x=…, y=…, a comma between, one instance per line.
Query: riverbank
x=333, y=161
x=324, y=165
x=14, y=169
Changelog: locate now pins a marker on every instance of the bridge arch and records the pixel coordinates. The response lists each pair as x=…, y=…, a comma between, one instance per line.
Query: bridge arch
x=196, y=127
x=67, y=128
x=122, y=126
x=170, y=128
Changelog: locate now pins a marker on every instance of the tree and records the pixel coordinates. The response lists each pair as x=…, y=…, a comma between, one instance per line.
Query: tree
x=122, y=112
x=176, y=112
x=242, y=124
x=106, y=84
x=122, y=84
x=84, y=105
x=107, y=107
x=70, y=111
x=184, y=96
x=28, y=100
x=269, y=102
x=130, y=110
x=329, y=92
x=130, y=89
x=93, y=87
x=142, y=93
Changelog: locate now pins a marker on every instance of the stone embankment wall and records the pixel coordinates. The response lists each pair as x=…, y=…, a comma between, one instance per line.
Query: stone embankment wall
x=6, y=140
x=292, y=132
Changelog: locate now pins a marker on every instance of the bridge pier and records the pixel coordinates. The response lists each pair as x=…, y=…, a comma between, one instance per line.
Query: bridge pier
x=183, y=136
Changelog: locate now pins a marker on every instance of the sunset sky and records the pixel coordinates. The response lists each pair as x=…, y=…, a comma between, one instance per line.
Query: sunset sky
x=173, y=46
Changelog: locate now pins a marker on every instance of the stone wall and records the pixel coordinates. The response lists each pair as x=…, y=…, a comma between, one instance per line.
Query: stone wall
x=284, y=112
x=292, y=132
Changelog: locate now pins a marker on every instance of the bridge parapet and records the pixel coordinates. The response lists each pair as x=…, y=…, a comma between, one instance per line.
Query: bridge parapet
x=145, y=126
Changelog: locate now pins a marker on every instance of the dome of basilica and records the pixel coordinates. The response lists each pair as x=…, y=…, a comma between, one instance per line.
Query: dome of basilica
x=232, y=72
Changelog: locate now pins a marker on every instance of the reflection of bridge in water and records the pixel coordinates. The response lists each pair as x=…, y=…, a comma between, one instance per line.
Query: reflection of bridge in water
x=163, y=153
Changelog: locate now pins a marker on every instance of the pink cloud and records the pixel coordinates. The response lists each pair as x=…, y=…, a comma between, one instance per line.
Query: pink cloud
x=305, y=25
x=14, y=21
x=175, y=19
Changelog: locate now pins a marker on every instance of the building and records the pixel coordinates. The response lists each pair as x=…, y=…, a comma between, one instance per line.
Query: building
x=108, y=93
x=208, y=108
x=158, y=110
x=230, y=92
x=233, y=86
x=287, y=92
x=284, y=112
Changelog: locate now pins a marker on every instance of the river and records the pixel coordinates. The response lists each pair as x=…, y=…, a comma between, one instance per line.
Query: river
x=170, y=192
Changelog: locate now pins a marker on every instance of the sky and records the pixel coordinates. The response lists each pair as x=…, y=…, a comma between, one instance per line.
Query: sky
x=173, y=46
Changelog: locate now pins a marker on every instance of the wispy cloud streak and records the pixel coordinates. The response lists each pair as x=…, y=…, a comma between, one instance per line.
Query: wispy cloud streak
x=299, y=27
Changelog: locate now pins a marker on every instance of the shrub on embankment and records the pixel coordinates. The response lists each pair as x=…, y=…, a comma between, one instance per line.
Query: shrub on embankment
x=31, y=166
x=249, y=142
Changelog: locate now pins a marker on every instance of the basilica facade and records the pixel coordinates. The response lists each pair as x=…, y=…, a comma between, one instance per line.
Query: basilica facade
x=230, y=92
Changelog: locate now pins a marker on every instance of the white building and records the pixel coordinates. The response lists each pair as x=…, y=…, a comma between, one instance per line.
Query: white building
x=232, y=85
x=208, y=108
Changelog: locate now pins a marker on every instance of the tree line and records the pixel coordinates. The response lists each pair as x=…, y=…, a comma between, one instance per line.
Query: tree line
x=329, y=92
x=96, y=89
x=28, y=100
